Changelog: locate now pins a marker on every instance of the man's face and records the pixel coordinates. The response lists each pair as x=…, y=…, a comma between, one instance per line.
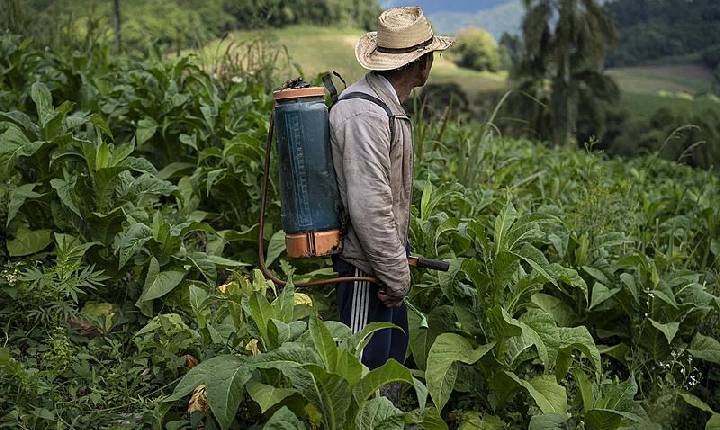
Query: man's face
x=425, y=69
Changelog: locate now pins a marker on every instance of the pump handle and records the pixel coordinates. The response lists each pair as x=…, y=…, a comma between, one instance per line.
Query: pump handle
x=426, y=263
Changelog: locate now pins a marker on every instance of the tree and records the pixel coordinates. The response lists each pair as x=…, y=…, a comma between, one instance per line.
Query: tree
x=476, y=49
x=565, y=42
x=510, y=50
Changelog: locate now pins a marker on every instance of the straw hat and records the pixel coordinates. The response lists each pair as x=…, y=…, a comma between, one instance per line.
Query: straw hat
x=403, y=36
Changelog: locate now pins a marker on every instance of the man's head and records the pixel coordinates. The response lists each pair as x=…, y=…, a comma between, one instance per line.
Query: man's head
x=415, y=73
x=404, y=44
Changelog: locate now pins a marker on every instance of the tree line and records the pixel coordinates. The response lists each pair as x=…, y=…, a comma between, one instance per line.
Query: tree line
x=132, y=25
x=654, y=29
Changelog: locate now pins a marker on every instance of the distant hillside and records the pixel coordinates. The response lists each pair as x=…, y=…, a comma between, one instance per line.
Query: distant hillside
x=656, y=29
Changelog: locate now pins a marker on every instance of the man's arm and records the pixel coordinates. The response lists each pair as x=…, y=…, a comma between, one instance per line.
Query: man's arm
x=366, y=165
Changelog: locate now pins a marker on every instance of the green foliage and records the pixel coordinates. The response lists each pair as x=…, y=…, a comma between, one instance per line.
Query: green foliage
x=169, y=25
x=580, y=290
x=476, y=49
x=653, y=29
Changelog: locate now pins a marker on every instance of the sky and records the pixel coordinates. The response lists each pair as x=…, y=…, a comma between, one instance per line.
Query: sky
x=434, y=6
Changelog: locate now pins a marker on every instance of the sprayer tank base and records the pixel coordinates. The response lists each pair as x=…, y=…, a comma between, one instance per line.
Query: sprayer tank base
x=308, y=244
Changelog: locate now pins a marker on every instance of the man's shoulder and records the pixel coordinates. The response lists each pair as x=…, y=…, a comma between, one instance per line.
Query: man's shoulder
x=355, y=107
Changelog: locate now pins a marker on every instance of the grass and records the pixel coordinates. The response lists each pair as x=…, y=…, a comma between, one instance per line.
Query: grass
x=645, y=105
x=683, y=78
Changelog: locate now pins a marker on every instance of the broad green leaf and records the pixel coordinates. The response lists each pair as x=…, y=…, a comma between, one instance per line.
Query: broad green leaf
x=284, y=419
x=696, y=402
x=189, y=140
x=562, y=313
x=284, y=304
x=65, y=189
x=175, y=168
x=713, y=423
x=705, y=348
x=335, y=395
x=548, y=422
x=601, y=293
x=379, y=414
x=608, y=419
x=668, y=329
x=560, y=340
x=528, y=338
x=161, y=284
x=213, y=176
x=224, y=376
x=503, y=222
x=473, y=421
x=441, y=371
x=43, y=102
x=584, y=387
x=536, y=260
x=617, y=397
x=432, y=420
x=597, y=274
x=391, y=371
x=202, y=373
x=629, y=281
x=130, y=241
x=276, y=247
x=146, y=128
x=267, y=396
x=359, y=340
x=425, y=207
x=547, y=393
x=27, y=242
x=224, y=391
x=18, y=196
x=261, y=313
x=13, y=144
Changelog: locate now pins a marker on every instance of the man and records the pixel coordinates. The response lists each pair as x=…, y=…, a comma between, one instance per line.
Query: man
x=373, y=158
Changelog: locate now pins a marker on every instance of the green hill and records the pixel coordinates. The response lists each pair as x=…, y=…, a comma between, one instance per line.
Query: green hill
x=314, y=49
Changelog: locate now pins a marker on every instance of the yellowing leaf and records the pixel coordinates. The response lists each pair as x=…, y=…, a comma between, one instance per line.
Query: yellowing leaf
x=198, y=400
x=252, y=347
x=303, y=299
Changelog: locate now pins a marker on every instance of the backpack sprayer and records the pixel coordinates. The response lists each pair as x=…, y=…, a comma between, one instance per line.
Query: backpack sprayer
x=309, y=197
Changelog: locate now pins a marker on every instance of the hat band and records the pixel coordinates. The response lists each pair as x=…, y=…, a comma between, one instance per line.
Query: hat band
x=406, y=50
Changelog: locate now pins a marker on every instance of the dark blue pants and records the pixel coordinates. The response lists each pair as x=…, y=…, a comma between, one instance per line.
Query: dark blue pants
x=359, y=306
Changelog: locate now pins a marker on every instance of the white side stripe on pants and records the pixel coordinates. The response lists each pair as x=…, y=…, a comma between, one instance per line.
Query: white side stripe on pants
x=360, y=304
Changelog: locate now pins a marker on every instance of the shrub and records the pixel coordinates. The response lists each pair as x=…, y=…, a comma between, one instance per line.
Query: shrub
x=477, y=50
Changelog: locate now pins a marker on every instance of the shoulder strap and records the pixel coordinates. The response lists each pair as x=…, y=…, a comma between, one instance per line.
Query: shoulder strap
x=377, y=101
x=327, y=79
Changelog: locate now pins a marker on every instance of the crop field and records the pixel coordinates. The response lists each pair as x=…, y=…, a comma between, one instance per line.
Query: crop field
x=584, y=292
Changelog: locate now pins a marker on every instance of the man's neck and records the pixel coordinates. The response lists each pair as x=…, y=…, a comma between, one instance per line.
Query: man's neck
x=402, y=85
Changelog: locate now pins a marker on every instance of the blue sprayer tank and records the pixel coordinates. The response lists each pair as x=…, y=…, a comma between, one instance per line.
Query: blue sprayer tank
x=309, y=195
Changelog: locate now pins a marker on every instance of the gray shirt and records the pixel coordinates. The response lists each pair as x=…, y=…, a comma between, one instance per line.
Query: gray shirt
x=375, y=181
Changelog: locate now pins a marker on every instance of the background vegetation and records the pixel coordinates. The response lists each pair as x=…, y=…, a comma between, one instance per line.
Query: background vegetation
x=584, y=289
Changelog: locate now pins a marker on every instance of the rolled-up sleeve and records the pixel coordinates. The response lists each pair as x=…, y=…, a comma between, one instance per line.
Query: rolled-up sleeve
x=369, y=199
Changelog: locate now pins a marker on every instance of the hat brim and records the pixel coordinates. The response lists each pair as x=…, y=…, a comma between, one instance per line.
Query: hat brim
x=370, y=58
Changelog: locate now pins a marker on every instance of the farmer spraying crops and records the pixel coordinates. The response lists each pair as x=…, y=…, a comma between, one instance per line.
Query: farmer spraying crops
x=372, y=150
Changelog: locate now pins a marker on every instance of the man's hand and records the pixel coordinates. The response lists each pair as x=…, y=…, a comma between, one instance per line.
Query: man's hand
x=390, y=301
